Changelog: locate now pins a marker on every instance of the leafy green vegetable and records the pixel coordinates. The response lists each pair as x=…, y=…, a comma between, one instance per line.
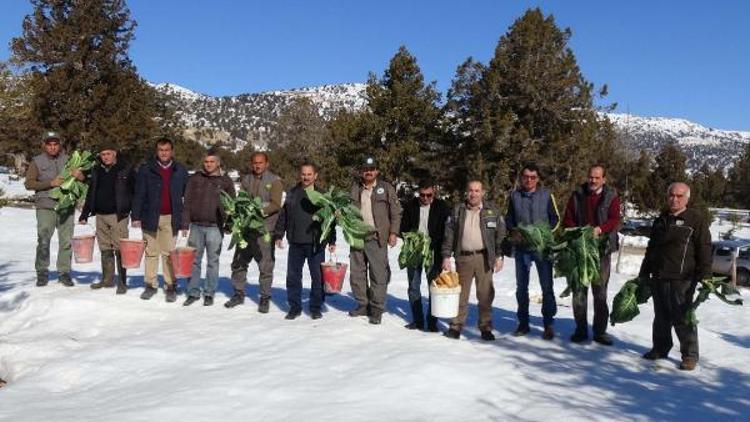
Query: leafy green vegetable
x=244, y=216
x=538, y=238
x=625, y=304
x=336, y=205
x=720, y=287
x=578, y=259
x=416, y=251
x=71, y=190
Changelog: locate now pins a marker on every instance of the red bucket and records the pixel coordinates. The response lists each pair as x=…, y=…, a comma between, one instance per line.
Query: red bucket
x=333, y=276
x=182, y=261
x=131, y=251
x=83, y=248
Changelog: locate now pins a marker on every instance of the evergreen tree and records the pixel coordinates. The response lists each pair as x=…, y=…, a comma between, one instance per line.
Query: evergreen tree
x=16, y=140
x=638, y=192
x=739, y=181
x=670, y=167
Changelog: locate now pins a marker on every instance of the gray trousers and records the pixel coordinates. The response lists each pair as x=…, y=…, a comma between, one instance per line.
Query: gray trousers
x=601, y=310
x=372, y=260
x=261, y=252
x=47, y=221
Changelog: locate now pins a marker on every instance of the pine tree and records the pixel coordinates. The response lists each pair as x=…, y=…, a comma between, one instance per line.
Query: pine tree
x=83, y=82
x=739, y=181
x=16, y=140
x=670, y=167
x=638, y=192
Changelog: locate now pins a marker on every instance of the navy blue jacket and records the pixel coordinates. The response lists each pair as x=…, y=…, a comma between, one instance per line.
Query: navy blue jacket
x=147, y=200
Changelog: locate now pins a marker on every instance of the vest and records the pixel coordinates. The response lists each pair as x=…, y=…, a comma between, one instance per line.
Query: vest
x=530, y=209
x=601, y=214
x=49, y=168
x=264, y=192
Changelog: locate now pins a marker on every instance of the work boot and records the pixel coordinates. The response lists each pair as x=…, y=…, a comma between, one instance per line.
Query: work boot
x=122, y=274
x=549, y=333
x=358, y=311
x=208, y=301
x=42, y=278
x=417, y=316
x=236, y=299
x=604, y=339
x=375, y=319
x=452, y=333
x=122, y=288
x=432, y=325
x=521, y=330
x=654, y=355
x=108, y=271
x=488, y=336
x=316, y=315
x=265, y=303
x=688, y=363
x=148, y=293
x=293, y=314
x=65, y=280
x=580, y=335
x=171, y=293
x=190, y=300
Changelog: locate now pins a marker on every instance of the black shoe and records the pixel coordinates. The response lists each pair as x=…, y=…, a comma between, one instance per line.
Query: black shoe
x=122, y=288
x=171, y=294
x=452, y=333
x=235, y=300
x=190, y=300
x=293, y=314
x=148, y=293
x=358, y=311
x=42, y=279
x=374, y=319
x=654, y=355
x=604, y=339
x=521, y=330
x=414, y=326
x=65, y=280
x=98, y=285
x=316, y=315
x=488, y=336
x=208, y=301
x=265, y=303
x=579, y=336
x=549, y=333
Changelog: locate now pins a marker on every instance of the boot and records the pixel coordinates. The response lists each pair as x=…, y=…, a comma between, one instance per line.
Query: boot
x=108, y=270
x=42, y=278
x=148, y=293
x=122, y=286
x=264, y=304
x=171, y=293
x=237, y=299
x=521, y=330
x=580, y=335
x=190, y=300
x=208, y=301
x=417, y=314
x=65, y=280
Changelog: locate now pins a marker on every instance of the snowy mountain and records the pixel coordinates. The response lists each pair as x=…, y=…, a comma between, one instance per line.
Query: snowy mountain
x=236, y=120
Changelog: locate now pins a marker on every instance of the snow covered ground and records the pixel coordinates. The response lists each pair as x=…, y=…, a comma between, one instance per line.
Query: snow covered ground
x=73, y=354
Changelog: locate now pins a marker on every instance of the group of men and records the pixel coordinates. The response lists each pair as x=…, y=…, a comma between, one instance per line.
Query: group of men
x=161, y=199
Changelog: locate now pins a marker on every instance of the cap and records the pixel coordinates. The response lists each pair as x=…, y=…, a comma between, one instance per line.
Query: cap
x=369, y=162
x=107, y=145
x=51, y=136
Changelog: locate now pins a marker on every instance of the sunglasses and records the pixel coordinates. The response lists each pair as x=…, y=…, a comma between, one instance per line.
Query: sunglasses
x=426, y=195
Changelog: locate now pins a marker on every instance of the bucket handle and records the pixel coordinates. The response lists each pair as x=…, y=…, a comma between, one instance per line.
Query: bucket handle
x=90, y=226
x=182, y=241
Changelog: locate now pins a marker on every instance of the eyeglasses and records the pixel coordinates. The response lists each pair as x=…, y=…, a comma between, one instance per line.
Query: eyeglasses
x=525, y=177
x=426, y=195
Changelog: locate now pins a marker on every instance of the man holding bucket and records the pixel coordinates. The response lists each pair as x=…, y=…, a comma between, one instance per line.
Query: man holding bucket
x=42, y=176
x=109, y=197
x=426, y=214
x=204, y=216
x=157, y=209
x=303, y=234
x=269, y=187
x=473, y=235
x=380, y=208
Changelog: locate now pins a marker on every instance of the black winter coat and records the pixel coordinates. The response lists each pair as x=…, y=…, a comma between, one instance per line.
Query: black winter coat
x=124, y=189
x=439, y=213
x=147, y=200
x=295, y=220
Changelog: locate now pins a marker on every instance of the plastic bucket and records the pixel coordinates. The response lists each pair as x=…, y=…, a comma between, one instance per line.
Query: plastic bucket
x=182, y=261
x=444, y=302
x=333, y=276
x=131, y=251
x=83, y=248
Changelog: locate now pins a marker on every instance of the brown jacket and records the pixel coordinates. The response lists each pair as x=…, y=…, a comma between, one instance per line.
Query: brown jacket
x=386, y=210
x=201, y=204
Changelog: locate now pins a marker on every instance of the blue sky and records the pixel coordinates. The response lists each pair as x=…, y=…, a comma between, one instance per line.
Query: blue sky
x=688, y=58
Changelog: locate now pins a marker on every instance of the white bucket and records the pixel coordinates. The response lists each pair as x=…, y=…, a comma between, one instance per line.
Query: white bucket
x=444, y=302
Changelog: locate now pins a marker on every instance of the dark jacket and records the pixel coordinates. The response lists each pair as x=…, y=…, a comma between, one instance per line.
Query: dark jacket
x=439, y=213
x=386, y=209
x=679, y=248
x=147, y=200
x=124, y=189
x=493, y=232
x=202, y=205
x=295, y=220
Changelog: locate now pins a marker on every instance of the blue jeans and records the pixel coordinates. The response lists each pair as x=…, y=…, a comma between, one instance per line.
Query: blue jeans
x=206, y=238
x=298, y=253
x=544, y=269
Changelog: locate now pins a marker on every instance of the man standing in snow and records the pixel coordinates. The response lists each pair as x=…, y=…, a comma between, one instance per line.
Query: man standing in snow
x=42, y=176
x=380, y=208
x=269, y=187
x=473, y=236
x=303, y=234
x=109, y=197
x=678, y=256
x=157, y=209
x=426, y=214
x=595, y=204
x=529, y=205
x=204, y=216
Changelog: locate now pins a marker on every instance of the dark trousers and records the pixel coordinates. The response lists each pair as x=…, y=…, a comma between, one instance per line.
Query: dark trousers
x=601, y=310
x=544, y=270
x=672, y=298
x=298, y=253
x=415, y=292
x=261, y=252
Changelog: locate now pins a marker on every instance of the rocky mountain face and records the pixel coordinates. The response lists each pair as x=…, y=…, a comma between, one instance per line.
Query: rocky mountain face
x=234, y=121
